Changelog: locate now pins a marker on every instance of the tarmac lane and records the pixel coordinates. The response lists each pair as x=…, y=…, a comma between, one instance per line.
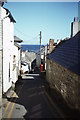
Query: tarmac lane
x=31, y=101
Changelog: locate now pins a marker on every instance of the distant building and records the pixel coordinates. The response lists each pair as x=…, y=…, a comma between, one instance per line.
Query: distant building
x=29, y=58
x=44, y=52
x=16, y=58
x=75, y=27
x=38, y=57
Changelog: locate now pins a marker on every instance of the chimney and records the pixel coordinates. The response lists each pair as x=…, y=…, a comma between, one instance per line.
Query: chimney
x=75, y=19
x=75, y=26
x=51, y=42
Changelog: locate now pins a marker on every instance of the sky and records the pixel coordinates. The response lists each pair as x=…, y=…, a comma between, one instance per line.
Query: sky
x=53, y=19
x=42, y=0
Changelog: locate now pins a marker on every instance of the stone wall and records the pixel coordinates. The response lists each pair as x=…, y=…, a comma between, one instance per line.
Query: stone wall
x=65, y=81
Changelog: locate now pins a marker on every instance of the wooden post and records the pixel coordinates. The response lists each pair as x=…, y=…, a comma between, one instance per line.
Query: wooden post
x=40, y=48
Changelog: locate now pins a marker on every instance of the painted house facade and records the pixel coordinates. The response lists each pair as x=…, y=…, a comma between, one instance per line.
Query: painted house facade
x=8, y=43
x=29, y=59
x=16, y=60
x=11, y=51
x=17, y=52
x=63, y=71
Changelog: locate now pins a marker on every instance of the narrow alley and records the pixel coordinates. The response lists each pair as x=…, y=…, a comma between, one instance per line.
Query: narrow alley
x=39, y=60
x=30, y=100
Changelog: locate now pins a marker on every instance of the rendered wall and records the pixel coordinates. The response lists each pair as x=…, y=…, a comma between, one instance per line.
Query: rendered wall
x=8, y=43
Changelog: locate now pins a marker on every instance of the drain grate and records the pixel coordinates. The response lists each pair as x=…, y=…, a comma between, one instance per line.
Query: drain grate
x=18, y=108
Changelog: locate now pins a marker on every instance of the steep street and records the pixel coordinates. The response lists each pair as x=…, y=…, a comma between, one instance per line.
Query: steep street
x=30, y=100
x=39, y=60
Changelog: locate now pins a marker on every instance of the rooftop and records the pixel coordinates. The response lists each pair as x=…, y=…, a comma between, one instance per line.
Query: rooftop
x=17, y=39
x=29, y=57
x=10, y=16
x=17, y=45
x=67, y=54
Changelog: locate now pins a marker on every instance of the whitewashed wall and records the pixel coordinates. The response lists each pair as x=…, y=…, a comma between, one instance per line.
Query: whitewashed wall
x=8, y=43
x=23, y=54
x=16, y=64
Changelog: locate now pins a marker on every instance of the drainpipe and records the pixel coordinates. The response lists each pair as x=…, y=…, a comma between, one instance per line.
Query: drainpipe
x=0, y=65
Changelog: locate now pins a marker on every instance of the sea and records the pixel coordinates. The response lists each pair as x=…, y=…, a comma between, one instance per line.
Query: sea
x=31, y=48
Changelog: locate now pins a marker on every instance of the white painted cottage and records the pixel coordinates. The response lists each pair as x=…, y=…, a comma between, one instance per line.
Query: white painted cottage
x=29, y=58
x=16, y=58
x=11, y=51
x=8, y=48
x=24, y=62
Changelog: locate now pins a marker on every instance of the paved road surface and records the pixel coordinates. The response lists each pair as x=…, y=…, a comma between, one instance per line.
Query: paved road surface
x=30, y=100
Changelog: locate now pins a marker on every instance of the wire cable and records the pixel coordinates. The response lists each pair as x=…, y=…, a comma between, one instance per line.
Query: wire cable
x=25, y=35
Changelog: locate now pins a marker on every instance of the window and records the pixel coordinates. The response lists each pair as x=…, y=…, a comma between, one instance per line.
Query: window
x=14, y=58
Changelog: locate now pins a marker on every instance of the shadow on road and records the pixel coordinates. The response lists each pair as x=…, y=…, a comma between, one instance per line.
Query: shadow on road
x=31, y=97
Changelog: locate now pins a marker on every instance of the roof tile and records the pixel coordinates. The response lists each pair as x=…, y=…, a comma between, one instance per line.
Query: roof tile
x=67, y=54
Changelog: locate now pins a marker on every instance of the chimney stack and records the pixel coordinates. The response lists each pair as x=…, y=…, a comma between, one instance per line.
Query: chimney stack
x=75, y=26
x=75, y=19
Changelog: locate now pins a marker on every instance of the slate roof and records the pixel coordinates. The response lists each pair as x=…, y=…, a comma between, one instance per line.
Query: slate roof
x=29, y=57
x=17, y=45
x=17, y=39
x=10, y=16
x=67, y=54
